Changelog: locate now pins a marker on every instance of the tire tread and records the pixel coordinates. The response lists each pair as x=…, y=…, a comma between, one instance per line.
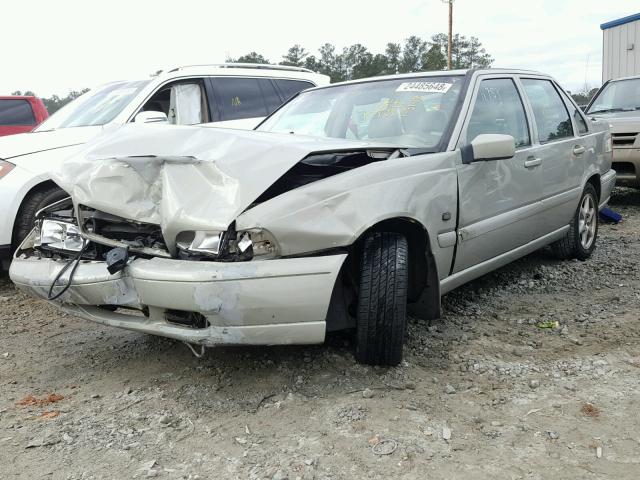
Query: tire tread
x=382, y=301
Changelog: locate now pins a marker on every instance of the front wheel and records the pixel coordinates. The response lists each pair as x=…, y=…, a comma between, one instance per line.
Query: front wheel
x=580, y=240
x=34, y=202
x=382, y=299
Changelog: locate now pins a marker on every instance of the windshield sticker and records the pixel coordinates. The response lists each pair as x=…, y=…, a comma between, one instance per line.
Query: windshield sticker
x=426, y=87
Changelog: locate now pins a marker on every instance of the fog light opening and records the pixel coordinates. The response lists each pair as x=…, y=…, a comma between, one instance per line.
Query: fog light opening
x=186, y=318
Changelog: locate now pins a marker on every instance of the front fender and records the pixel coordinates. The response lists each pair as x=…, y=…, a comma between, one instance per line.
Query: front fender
x=335, y=211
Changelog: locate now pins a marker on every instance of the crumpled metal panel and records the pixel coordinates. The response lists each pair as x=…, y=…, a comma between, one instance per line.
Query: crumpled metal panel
x=184, y=178
x=335, y=211
x=195, y=178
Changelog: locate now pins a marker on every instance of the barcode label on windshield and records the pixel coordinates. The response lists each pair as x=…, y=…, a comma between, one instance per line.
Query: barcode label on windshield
x=427, y=87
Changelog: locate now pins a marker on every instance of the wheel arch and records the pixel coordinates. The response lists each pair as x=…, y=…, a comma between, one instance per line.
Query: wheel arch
x=424, y=283
x=594, y=180
x=38, y=187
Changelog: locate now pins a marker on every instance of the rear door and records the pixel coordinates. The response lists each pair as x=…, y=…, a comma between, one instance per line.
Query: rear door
x=242, y=102
x=562, y=151
x=499, y=199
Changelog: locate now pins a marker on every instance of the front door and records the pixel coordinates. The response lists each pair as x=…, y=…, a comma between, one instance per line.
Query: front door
x=499, y=199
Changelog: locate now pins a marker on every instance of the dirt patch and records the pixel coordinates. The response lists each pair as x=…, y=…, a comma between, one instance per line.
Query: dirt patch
x=485, y=392
x=30, y=400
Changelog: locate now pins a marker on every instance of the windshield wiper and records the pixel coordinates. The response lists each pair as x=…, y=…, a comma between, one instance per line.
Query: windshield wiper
x=610, y=110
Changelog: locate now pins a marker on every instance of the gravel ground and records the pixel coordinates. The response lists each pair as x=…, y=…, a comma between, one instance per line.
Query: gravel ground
x=485, y=392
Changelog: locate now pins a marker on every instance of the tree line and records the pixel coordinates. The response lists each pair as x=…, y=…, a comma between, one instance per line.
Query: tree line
x=54, y=102
x=356, y=61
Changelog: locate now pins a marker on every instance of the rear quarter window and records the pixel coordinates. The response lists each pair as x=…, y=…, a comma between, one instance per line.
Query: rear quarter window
x=16, y=112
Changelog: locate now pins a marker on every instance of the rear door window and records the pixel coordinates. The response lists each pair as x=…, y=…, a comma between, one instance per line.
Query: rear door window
x=16, y=112
x=270, y=94
x=239, y=98
x=550, y=112
x=288, y=88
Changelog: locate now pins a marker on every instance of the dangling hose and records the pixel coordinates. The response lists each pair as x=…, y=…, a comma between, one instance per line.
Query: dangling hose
x=76, y=261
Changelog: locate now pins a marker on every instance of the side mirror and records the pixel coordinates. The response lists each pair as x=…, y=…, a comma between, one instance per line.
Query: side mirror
x=150, y=117
x=489, y=146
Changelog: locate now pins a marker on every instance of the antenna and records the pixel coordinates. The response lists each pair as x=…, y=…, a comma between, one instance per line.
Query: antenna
x=586, y=70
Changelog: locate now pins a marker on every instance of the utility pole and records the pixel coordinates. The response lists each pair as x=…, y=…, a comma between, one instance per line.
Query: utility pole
x=450, y=2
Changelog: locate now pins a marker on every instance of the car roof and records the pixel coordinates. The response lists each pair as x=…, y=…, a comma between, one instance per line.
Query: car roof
x=435, y=73
x=16, y=97
x=632, y=77
x=247, y=69
x=233, y=70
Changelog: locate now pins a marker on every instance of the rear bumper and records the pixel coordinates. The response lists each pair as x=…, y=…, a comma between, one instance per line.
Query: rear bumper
x=607, y=182
x=259, y=303
x=626, y=162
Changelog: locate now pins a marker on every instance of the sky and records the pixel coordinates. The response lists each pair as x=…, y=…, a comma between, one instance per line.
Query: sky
x=52, y=47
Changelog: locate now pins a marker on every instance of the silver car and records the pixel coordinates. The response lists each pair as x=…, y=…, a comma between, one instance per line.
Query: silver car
x=618, y=104
x=347, y=204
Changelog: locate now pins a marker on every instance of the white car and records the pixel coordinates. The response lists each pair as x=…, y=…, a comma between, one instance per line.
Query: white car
x=229, y=95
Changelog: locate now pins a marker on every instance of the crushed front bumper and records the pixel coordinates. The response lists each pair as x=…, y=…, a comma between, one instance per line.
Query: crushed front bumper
x=269, y=302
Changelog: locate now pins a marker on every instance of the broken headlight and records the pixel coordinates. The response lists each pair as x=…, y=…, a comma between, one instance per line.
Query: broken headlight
x=58, y=235
x=5, y=167
x=205, y=243
x=259, y=243
x=228, y=246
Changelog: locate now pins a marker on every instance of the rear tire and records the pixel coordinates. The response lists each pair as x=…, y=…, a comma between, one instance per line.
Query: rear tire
x=34, y=201
x=580, y=240
x=382, y=300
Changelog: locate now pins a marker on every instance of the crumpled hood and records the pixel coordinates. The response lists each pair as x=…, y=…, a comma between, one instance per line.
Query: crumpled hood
x=26, y=143
x=185, y=178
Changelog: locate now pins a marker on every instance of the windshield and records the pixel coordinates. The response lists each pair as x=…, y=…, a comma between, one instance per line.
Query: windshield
x=407, y=112
x=621, y=95
x=96, y=107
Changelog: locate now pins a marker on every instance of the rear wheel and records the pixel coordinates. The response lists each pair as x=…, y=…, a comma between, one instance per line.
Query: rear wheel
x=382, y=299
x=34, y=202
x=580, y=240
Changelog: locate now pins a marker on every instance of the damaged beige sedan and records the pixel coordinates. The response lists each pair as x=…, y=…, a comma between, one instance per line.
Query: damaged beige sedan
x=347, y=204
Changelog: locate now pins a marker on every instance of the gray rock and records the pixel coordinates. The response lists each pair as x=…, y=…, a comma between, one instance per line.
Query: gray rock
x=449, y=389
x=279, y=475
x=367, y=393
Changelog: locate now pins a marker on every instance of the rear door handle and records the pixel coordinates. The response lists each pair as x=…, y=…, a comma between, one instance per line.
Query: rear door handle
x=578, y=150
x=532, y=162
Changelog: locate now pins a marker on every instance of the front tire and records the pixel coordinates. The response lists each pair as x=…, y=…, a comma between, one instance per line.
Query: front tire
x=382, y=300
x=34, y=202
x=580, y=240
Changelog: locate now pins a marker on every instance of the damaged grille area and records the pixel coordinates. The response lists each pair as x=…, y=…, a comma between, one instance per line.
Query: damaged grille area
x=624, y=139
x=115, y=231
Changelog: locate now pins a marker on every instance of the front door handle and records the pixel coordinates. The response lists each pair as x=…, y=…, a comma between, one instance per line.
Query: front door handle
x=578, y=150
x=532, y=162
